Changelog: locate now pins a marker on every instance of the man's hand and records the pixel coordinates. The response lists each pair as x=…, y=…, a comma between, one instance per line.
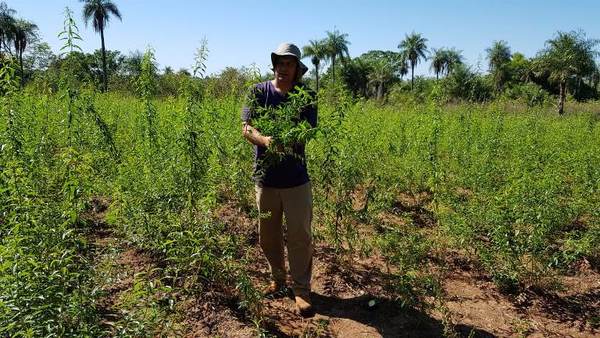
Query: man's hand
x=268, y=141
x=280, y=148
x=255, y=137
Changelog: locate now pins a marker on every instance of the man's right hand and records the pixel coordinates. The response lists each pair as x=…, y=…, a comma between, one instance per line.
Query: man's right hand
x=255, y=137
x=268, y=140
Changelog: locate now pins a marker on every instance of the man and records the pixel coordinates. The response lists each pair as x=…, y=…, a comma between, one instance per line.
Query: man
x=283, y=188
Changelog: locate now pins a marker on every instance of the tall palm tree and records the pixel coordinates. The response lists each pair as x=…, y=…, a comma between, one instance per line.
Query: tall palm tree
x=438, y=61
x=567, y=56
x=595, y=77
x=380, y=74
x=337, y=46
x=7, y=27
x=414, y=47
x=24, y=32
x=453, y=59
x=499, y=56
x=403, y=66
x=99, y=12
x=317, y=51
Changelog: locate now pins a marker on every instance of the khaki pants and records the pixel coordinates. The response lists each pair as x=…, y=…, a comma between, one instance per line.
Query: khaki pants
x=296, y=204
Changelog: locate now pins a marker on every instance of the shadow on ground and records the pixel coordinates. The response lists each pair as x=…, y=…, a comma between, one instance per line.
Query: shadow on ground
x=579, y=309
x=387, y=317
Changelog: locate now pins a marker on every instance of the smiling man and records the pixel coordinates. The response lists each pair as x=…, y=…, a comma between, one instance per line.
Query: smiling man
x=283, y=188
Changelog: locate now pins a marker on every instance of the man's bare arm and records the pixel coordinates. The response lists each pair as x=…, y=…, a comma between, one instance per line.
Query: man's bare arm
x=254, y=136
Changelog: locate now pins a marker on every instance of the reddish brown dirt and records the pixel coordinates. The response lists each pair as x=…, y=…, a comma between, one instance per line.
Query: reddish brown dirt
x=212, y=315
x=121, y=262
x=472, y=305
x=475, y=301
x=344, y=290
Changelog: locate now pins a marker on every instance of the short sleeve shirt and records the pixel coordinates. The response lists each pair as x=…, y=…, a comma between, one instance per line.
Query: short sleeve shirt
x=291, y=171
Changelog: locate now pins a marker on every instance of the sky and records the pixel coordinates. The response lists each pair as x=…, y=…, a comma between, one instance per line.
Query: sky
x=242, y=33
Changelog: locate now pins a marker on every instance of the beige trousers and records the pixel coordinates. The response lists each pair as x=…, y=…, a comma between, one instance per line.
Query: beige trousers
x=296, y=204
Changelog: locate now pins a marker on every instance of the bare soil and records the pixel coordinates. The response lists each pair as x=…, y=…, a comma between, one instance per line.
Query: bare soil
x=118, y=265
x=351, y=299
x=472, y=304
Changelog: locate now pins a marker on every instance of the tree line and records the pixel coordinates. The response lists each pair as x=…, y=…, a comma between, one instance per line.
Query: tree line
x=20, y=32
x=566, y=65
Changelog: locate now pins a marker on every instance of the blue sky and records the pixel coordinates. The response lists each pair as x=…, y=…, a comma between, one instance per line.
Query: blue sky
x=240, y=33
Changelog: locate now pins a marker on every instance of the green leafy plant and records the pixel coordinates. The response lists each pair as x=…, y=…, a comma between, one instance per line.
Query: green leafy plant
x=285, y=125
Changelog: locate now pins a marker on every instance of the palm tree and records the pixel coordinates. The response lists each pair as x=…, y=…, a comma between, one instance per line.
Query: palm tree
x=595, y=77
x=445, y=60
x=99, y=12
x=24, y=32
x=7, y=27
x=403, y=66
x=380, y=74
x=567, y=56
x=453, y=58
x=521, y=68
x=438, y=61
x=414, y=47
x=317, y=51
x=337, y=45
x=355, y=75
x=499, y=56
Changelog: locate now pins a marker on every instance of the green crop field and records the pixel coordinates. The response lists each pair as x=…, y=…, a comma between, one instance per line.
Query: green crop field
x=127, y=205
x=516, y=191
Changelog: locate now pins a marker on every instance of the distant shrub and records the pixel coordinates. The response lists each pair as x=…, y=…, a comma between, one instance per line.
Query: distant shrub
x=464, y=84
x=528, y=93
x=421, y=93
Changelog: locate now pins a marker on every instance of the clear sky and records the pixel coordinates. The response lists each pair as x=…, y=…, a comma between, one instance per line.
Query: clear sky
x=240, y=33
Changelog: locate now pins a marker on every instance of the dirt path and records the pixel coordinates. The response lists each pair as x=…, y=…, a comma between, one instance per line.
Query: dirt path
x=128, y=281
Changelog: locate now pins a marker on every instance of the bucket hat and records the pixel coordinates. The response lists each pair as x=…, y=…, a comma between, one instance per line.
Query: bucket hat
x=289, y=49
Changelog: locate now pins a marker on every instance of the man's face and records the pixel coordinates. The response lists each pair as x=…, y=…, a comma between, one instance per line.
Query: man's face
x=285, y=68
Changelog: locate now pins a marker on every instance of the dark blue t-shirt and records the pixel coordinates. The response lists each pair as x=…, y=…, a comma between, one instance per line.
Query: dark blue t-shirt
x=291, y=171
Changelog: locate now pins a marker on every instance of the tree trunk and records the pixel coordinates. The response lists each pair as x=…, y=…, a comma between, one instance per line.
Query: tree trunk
x=317, y=71
x=7, y=47
x=380, y=91
x=104, y=70
x=561, y=97
x=412, y=75
x=22, y=69
x=333, y=67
